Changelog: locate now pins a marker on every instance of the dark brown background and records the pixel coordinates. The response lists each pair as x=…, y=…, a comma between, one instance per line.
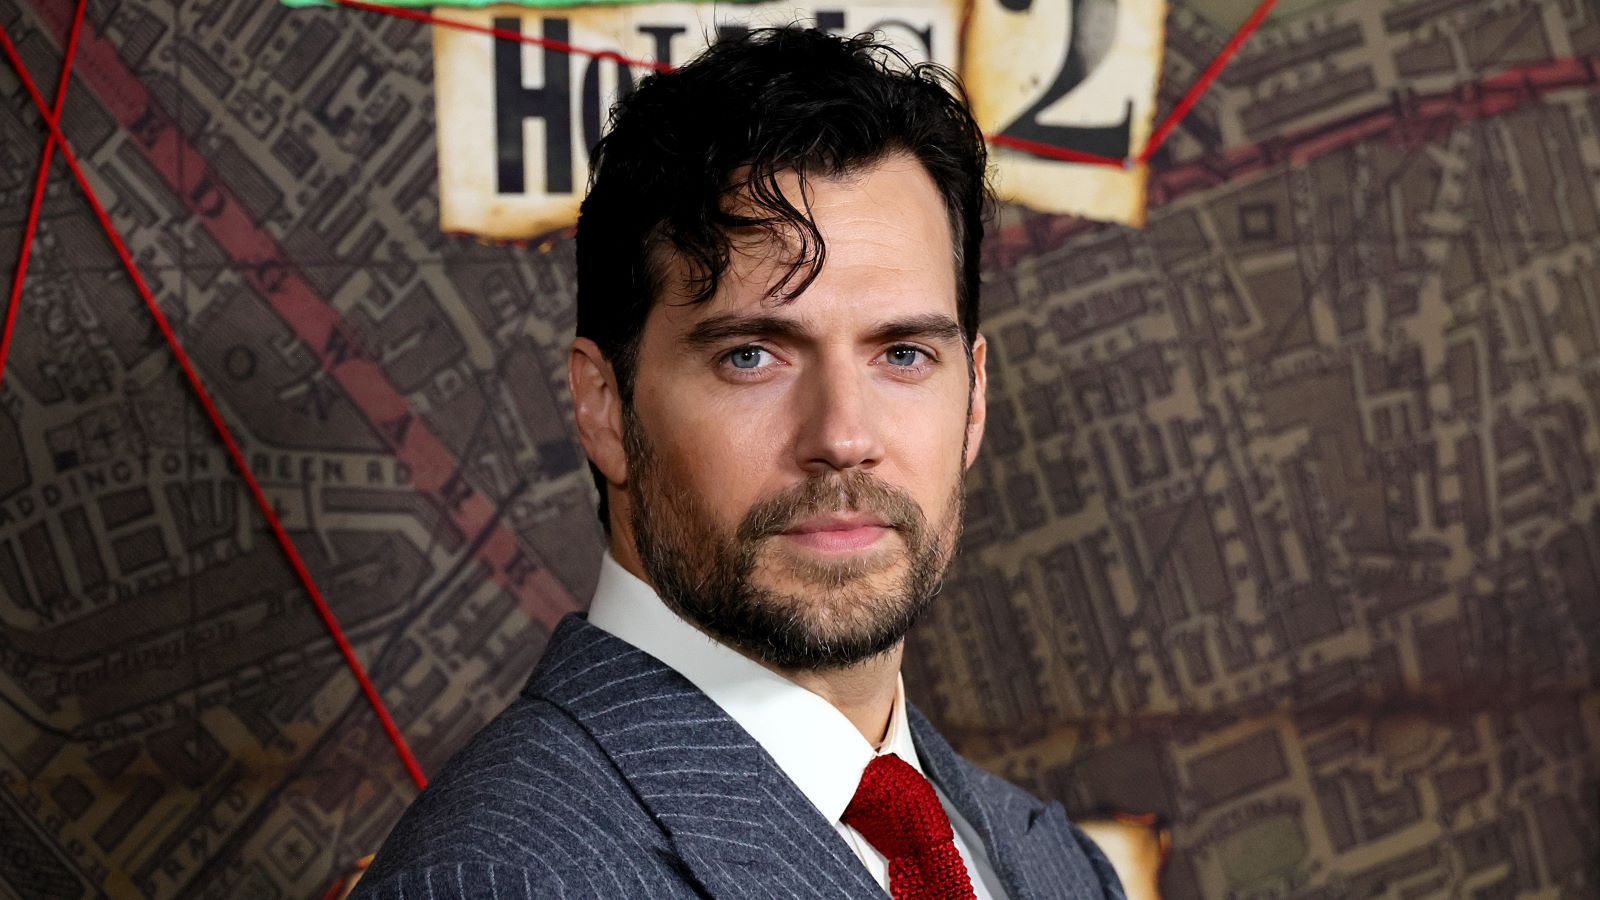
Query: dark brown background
x=1286, y=526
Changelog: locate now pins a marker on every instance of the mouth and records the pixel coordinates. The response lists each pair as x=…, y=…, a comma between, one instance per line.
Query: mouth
x=841, y=533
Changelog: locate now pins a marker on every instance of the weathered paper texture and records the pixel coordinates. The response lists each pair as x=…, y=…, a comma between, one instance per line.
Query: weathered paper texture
x=1067, y=73
x=1136, y=851
x=559, y=102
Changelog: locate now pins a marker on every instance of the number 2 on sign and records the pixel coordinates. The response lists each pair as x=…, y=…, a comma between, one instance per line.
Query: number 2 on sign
x=1090, y=29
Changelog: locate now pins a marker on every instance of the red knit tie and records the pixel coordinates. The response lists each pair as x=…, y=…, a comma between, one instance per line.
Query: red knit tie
x=898, y=813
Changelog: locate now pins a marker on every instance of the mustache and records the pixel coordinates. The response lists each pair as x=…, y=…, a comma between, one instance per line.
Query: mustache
x=854, y=491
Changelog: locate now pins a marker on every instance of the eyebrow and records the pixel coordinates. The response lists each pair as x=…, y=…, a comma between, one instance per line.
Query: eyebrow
x=714, y=330
x=931, y=327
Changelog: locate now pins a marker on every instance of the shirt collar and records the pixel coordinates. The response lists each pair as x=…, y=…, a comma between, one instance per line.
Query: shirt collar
x=811, y=740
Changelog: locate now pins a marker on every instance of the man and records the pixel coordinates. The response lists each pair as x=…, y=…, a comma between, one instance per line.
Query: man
x=778, y=380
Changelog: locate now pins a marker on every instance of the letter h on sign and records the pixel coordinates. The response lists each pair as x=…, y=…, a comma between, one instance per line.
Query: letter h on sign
x=514, y=103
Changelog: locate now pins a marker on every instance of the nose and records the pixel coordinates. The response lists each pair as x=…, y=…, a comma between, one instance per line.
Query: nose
x=840, y=423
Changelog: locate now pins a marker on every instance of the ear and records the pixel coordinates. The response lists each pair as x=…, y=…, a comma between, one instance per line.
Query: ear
x=597, y=405
x=980, y=401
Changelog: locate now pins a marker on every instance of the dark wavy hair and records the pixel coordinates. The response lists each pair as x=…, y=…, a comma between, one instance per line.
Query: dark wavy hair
x=689, y=147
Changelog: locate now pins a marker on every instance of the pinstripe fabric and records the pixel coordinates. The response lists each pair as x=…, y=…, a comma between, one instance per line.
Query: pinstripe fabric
x=613, y=776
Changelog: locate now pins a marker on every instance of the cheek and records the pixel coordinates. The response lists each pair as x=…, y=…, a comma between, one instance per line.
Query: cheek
x=724, y=457
x=924, y=454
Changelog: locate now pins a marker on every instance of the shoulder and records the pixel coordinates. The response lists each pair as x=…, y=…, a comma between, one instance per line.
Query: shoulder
x=530, y=800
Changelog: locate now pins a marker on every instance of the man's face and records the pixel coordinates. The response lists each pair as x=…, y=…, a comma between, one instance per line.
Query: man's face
x=795, y=466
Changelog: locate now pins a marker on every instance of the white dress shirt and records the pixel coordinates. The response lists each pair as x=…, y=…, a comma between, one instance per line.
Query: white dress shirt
x=811, y=740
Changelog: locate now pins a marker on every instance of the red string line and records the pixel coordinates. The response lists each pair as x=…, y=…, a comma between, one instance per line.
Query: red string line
x=504, y=34
x=1053, y=152
x=40, y=178
x=234, y=451
x=1203, y=83
x=1050, y=151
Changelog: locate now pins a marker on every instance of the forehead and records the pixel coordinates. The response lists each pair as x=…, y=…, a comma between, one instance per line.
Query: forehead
x=888, y=250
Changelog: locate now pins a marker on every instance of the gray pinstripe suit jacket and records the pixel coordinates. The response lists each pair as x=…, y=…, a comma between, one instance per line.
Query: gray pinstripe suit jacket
x=613, y=776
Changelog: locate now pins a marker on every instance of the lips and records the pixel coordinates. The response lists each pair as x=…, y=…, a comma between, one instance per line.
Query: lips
x=845, y=521
x=845, y=532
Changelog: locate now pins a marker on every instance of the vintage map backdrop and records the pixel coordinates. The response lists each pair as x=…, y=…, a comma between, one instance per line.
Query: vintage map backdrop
x=1286, y=528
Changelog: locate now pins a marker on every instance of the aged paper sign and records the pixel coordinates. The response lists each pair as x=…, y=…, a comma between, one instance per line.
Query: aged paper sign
x=516, y=120
x=1076, y=74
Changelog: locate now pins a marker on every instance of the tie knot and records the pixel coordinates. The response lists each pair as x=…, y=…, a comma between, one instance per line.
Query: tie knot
x=896, y=810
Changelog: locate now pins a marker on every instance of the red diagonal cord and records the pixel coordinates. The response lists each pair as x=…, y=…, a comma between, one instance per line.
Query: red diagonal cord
x=40, y=178
x=1203, y=83
x=417, y=15
x=1064, y=154
x=234, y=451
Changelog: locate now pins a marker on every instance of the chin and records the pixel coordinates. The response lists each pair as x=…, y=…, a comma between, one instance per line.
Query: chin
x=840, y=602
x=800, y=570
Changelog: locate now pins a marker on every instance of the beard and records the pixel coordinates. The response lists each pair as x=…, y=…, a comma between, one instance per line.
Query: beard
x=844, y=612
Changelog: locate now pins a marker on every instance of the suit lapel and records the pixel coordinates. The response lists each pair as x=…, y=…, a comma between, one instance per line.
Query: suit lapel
x=1034, y=849
x=739, y=824
x=1001, y=826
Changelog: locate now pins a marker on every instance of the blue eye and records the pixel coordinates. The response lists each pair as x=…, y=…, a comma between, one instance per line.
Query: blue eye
x=903, y=356
x=746, y=357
